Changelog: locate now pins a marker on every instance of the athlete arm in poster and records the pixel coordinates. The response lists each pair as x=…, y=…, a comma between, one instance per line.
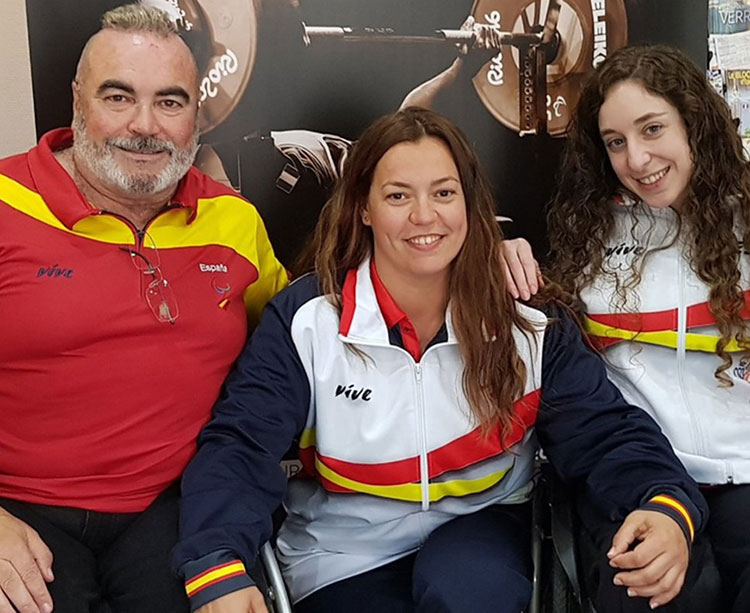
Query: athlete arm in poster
x=470, y=59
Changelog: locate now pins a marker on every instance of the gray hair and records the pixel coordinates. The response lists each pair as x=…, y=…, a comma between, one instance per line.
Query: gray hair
x=139, y=18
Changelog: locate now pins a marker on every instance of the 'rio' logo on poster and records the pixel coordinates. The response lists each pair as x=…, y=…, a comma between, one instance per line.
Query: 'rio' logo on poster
x=226, y=65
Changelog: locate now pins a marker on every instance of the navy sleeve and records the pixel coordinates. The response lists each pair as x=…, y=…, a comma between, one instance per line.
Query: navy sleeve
x=234, y=483
x=594, y=439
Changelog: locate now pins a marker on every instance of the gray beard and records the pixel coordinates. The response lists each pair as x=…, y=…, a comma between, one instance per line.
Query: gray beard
x=100, y=161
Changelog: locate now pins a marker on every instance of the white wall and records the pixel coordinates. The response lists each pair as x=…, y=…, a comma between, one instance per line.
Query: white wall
x=17, y=132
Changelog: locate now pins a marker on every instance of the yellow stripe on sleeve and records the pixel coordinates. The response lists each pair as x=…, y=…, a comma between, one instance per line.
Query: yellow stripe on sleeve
x=212, y=576
x=670, y=502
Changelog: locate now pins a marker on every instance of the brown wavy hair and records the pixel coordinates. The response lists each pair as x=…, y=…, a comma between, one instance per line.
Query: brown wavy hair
x=494, y=374
x=580, y=219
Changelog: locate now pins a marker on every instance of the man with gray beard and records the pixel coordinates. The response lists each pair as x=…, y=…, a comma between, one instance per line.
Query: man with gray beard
x=128, y=281
x=101, y=161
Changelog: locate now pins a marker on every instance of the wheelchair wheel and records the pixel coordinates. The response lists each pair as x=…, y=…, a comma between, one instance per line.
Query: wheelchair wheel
x=561, y=597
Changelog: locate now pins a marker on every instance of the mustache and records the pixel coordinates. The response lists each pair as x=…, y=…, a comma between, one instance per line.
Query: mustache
x=141, y=144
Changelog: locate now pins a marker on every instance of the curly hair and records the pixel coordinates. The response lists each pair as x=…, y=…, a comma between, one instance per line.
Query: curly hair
x=718, y=195
x=494, y=375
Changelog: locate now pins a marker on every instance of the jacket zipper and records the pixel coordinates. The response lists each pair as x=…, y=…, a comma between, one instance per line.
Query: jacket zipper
x=424, y=474
x=681, y=340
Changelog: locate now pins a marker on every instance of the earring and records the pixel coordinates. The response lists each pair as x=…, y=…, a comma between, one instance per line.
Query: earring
x=365, y=217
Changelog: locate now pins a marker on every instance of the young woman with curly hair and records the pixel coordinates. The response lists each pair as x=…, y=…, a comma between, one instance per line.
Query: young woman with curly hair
x=417, y=389
x=648, y=231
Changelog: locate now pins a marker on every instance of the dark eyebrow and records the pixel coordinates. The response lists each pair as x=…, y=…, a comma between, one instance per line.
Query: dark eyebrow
x=447, y=179
x=129, y=89
x=641, y=120
x=432, y=184
x=648, y=117
x=115, y=84
x=174, y=91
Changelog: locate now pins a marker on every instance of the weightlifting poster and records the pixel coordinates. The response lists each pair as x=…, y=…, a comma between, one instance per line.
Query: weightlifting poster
x=287, y=85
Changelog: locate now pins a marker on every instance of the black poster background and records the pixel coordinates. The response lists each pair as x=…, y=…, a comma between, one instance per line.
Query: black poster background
x=339, y=88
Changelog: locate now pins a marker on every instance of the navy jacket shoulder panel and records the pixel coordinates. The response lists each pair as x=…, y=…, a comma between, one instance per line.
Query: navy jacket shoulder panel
x=289, y=300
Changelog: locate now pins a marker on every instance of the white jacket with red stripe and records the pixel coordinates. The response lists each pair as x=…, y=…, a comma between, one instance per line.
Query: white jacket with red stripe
x=669, y=367
x=391, y=445
x=396, y=436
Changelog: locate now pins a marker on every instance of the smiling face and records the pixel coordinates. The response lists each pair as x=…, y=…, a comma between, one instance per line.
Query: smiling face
x=135, y=107
x=417, y=213
x=647, y=144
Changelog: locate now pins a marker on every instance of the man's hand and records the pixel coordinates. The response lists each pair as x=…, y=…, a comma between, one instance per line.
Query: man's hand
x=247, y=600
x=25, y=566
x=522, y=274
x=655, y=568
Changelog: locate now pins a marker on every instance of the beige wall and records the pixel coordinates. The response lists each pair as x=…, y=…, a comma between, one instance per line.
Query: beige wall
x=17, y=131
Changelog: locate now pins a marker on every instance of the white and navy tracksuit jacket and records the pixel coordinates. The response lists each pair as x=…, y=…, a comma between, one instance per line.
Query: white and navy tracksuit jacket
x=669, y=368
x=390, y=444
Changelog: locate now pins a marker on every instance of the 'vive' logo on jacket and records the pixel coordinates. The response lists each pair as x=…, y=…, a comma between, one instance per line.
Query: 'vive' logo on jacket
x=363, y=393
x=55, y=271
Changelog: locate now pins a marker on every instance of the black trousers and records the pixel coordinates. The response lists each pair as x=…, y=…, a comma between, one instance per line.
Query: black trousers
x=478, y=563
x=724, y=546
x=729, y=534
x=109, y=562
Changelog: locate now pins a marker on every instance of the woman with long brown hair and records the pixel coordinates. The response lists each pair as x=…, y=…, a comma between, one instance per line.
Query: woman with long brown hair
x=415, y=386
x=649, y=230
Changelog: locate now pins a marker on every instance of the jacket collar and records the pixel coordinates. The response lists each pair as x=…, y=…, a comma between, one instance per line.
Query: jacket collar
x=66, y=201
x=361, y=316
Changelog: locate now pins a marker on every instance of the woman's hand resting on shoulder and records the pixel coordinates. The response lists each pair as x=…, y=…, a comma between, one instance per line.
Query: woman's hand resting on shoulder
x=521, y=270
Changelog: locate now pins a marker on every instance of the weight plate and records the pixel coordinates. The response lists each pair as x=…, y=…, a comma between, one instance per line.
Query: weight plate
x=222, y=35
x=588, y=31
